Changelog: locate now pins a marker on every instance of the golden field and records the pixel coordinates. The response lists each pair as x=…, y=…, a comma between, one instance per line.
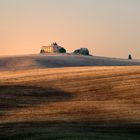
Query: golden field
x=70, y=103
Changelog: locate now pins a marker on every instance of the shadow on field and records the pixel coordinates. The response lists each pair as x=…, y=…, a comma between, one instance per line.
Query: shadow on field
x=18, y=96
x=67, y=131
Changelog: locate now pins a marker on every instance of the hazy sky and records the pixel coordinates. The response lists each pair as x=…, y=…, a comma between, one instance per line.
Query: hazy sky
x=106, y=27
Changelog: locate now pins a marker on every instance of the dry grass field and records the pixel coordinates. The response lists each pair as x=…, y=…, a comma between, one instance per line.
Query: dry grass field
x=82, y=103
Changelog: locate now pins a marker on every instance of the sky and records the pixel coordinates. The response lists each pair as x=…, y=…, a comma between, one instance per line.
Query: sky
x=106, y=27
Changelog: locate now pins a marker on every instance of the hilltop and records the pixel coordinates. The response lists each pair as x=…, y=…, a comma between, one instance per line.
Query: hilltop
x=60, y=60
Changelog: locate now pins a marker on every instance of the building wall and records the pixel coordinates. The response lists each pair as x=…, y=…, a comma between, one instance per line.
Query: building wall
x=51, y=49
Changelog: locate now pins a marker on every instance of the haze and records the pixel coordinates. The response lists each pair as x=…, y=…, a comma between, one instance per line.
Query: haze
x=106, y=27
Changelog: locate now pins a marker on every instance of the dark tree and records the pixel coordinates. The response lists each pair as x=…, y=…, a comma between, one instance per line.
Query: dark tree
x=62, y=50
x=130, y=57
x=85, y=52
x=77, y=51
x=82, y=51
x=42, y=51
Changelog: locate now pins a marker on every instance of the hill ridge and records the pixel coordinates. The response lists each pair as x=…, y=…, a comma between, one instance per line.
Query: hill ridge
x=24, y=62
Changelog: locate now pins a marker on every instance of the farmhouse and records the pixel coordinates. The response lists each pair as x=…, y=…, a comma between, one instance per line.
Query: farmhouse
x=53, y=48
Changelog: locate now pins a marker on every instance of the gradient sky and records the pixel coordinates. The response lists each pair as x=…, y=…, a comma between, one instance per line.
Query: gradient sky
x=106, y=27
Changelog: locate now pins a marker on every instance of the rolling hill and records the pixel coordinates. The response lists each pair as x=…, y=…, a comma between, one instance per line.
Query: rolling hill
x=60, y=60
x=81, y=103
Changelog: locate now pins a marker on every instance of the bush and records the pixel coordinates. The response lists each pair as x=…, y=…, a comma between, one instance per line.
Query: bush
x=85, y=52
x=62, y=50
x=42, y=51
x=82, y=51
x=77, y=51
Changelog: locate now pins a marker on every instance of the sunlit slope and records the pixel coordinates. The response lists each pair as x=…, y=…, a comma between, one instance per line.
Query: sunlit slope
x=60, y=60
x=101, y=95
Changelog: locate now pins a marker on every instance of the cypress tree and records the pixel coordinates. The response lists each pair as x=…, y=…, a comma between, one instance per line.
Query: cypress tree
x=130, y=57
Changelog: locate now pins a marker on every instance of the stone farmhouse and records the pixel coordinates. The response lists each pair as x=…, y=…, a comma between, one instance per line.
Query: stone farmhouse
x=53, y=48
